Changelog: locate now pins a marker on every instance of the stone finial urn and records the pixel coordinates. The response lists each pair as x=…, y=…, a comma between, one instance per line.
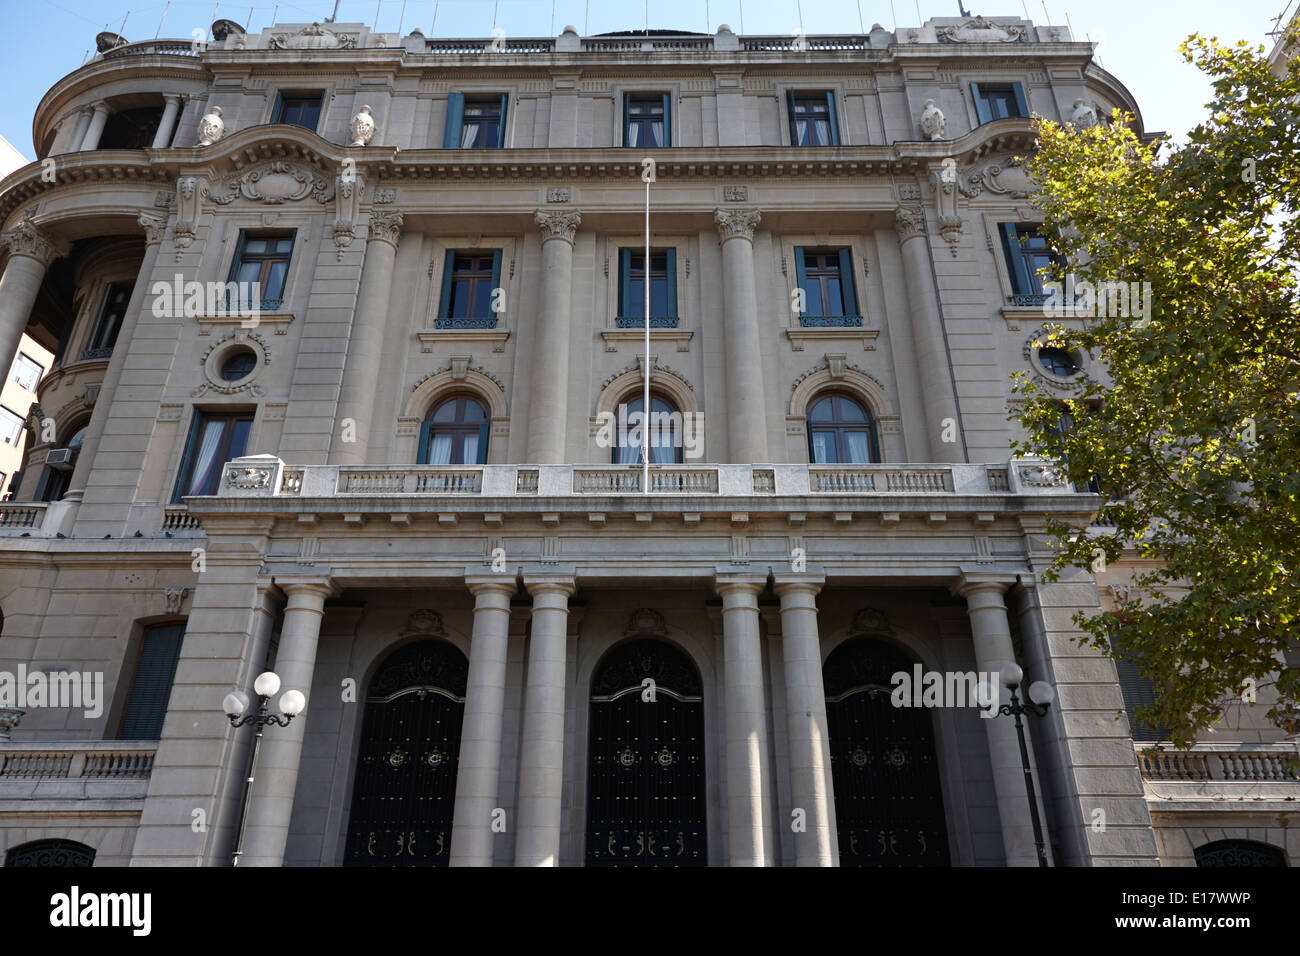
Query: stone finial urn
x=9, y=718
x=362, y=127
x=211, y=127
x=933, y=123
x=1084, y=116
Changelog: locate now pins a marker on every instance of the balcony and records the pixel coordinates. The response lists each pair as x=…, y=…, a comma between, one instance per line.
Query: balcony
x=1215, y=773
x=55, y=772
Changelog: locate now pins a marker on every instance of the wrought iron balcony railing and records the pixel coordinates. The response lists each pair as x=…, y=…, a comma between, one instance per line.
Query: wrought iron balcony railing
x=830, y=321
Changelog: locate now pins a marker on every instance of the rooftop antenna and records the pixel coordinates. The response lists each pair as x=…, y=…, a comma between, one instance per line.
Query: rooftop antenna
x=918, y=13
x=893, y=15
x=378, y=4
x=249, y=22
x=213, y=19
x=1024, y=6
x=647, y=17
x=552, y=17
x=166, y=7
x=401, y=19
x=862, y=27
x=334, y=15
x=799, y=5
x=123, y=26
x=708, y=20
x=1045, y=13
x=962, y=8
x=586, y=17
x=742, y=17
x=495, y=7
x=433, y=29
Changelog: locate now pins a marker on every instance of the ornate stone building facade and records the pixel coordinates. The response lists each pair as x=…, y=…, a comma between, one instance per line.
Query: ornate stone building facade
x=392, y=481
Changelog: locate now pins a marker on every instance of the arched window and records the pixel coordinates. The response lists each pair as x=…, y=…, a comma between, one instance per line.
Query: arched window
x=455, y=433
x=59, y=465
x=666, y=431
x=1239, y=853
x=51, y=853
x=841, y=431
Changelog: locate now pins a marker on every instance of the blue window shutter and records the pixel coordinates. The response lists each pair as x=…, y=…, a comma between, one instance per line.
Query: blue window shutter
x=455, y=119
x=501, y=124
x=832, y=118
x=496, y=278
x=1020, y=281
x=46, y=474
x=482, y=444
x=448, y=270
x=239, y=255
x=151, y=685
x=846, y=283
x=668, y=119
x=1021, y=103
x=426, y=430
x=672, y=283
x=625, y=284
x=800, y=270
x=794, y=128
x=981, y=107
x=627, y=116
x=277, y=114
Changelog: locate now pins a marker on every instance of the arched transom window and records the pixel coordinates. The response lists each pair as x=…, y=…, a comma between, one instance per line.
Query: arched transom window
x=841, y=431
x=455, y=433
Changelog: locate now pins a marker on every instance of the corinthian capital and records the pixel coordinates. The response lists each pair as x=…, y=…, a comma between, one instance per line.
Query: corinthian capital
x=558, y=224
x=385, y=227
x=909, y=221
x=155, y=227
x=26, y=240
x=736, y=223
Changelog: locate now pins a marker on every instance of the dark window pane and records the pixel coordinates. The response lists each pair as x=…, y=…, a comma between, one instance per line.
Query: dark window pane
x=151, y=686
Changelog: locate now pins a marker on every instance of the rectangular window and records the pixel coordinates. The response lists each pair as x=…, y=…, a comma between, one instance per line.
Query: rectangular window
x=299, y=109
x=263, y=258
x=647, y=120
x=11, y=427
x=27, y=372
x=151, y=684
x=103, y=336
x=631, y=288
x=1138, y=691
x=995, y=101
x=826, y=278
x=475, y=122
x=468, y=280
x=214, y=440
x=1027, y=252
x=812, y=119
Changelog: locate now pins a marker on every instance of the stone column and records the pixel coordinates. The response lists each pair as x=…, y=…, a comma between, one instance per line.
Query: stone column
x=746, y=421
x=271, y=806
x=541, y=763
x=479, y=769
x=155, y=227
x=746, y=719
x=811, y=788
x=31, y=250
x=365, y=343
x=167, y=125
x=79, y=131
x=548, y=408
x=991, y=636
x=934, y=368
x=95, y=130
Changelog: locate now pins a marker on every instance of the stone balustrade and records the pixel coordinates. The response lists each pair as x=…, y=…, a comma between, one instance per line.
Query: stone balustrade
x=1257, y=763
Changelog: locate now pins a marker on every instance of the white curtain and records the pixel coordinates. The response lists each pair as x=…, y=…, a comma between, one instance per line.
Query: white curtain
x=469, y=450
x=203, y=459
x=468, y=133
x=859, y=448
x=633, y=133
x=801, y=132
x=823, y=448
x=657, y=129
x=440, y=450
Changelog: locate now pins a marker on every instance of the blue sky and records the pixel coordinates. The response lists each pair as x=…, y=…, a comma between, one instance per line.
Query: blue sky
x=44, y=40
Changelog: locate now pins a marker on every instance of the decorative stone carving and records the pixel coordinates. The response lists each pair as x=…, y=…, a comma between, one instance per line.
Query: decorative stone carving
x=211, y=126
x=9, y=719
x=248, y=479
x=425, y=621
x=1084, y=116
x=384, y=197
x=313, y=37
x=933, y=123
x=109, y=41
x=225, y=28
x=189, y=190
x=1004, y=176
x=155, y=227
x=557, y=194
x=558, y=224
x=210, y=364
x=909, y=191
x=947, y=202
x=981, y=30
x=385, y=227
x=735, y=193
x=347, y=195
x=870, y=620
x=646, y=621
x=174, y=598
x=909, y=222
x=273, y=183
x=1041, y=475
x=362, y=127
x=736, y=223
x=25, y=239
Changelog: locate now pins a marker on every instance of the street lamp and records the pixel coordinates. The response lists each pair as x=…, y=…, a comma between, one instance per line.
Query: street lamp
x=292, y=703
x=1041, y=696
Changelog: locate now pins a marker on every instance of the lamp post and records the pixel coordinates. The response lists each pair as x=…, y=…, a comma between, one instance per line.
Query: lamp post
x=292, y=703
x=1041, y=696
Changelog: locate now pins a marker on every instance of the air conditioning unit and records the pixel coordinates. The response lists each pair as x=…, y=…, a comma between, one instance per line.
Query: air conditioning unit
x=62, y=459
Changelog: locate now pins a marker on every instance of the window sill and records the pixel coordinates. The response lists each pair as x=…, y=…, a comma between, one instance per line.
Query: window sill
x=800, y=337
x=280, y=321
x=497, y=336
x=613, y=337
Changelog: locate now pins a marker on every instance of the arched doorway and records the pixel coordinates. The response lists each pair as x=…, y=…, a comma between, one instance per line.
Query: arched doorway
x=1239, y=853
x=405, y=788
x=888, y=801
x=51, y=853
x=645, y=766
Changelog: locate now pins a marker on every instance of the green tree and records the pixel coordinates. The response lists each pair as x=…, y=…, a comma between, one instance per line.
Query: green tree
x=1191, y=418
